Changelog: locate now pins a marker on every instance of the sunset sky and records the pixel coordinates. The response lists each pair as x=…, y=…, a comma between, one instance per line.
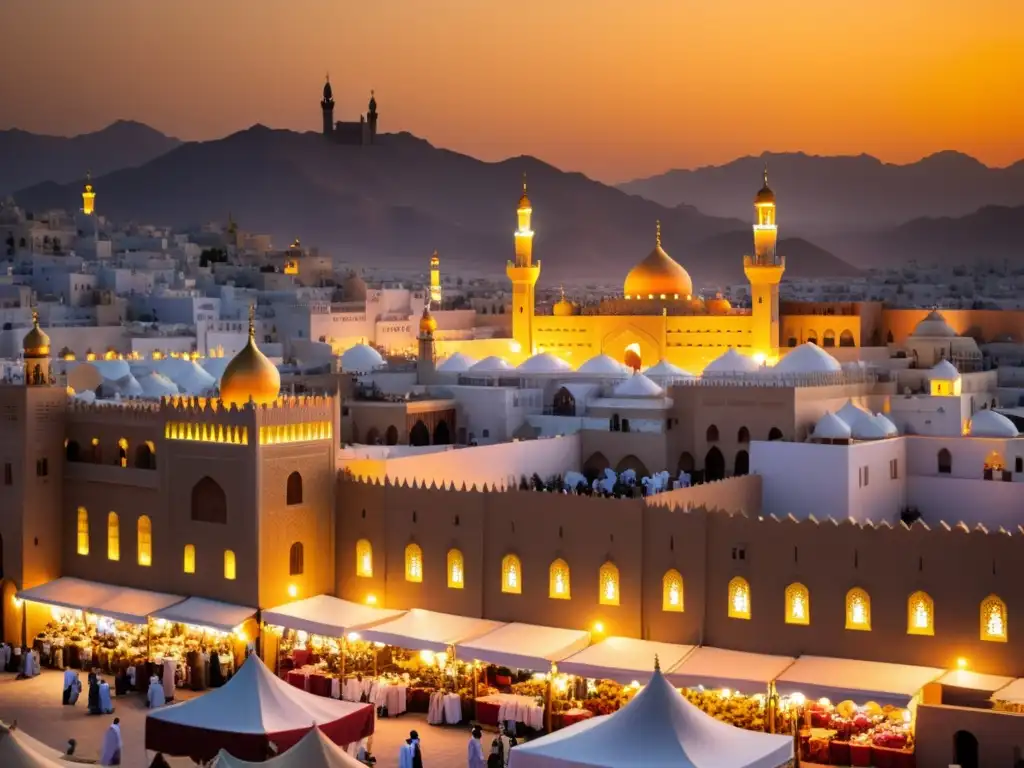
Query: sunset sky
x=613, y=88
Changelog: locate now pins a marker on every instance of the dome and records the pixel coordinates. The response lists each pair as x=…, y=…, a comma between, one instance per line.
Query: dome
x=524, y=200
x=427, y=323
x=155, y=386
x=808, y=358
x=214, y=366
x=492, y=364
x=658, y=275
x=543, y=362
x=665, y=370
x=563, y=307
x=991, y=424
x=36, y=343
x=189, y=377
x=719, y=305
x=457, y=363
x=884, y=422
x=850, y=413
x=831, y=427
x=764, y=195
x=944, y=371
x=732, y=362
x=249, y=375
x=361, y=358
x=603, y=364
x=353, y=288
x=638, y=385
x=867, y=427
x=933, y=326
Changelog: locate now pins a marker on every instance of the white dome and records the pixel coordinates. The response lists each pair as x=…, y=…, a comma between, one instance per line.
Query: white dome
x=603, y=364
x=934, y=326
x=457, y=363
x=885, y=423
x=361, y=358
x=991, y=424
x=807, y=358
x=850, y=413
x=543, y=362
x=111, y=370
x=665, y=370
x=831, y=427
x=187, y=374
x=867, y=427
x=155, y=385
x=492, y=364
x=215, y=366
x=638, y=385
x=732, y=362
x=944, y=371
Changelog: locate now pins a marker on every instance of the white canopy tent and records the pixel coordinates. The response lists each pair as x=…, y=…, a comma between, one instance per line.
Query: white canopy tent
x=657, y=729
x=721, y=668
x=327, y=615
x=962, y=678
x=524, y=646
x=314, y=750
x=428, y=630
x=134, y=606
x=623, y=659
x=201, y=612
x=837, y=679
x=1013, y=692
x=19, y=750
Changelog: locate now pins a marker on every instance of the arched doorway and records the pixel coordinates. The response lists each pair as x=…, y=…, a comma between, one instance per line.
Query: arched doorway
x=712, y=434
x=372, y=436
x=846, y=339
x=144, y=457
x=945, y=462
x=595, y=466
x=829, y=340
x=812, y=337
x=442, y=435
x=743, y=436
x=633, y=357
x=419, y=434
x=686, y=463
x=714, y=465
x=742, y=466
x=391, y=436
x=965, y=749
x=632, y=462
x=563, y=403
x=775, y=433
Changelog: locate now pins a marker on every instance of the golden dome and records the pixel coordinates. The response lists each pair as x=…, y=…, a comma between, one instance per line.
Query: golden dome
x=524, y=201
x=719, y=305
x=563, y=307
x=765, y=196
x=36, y=343
x=250, y=375
x=427, y=323
x=658, y=276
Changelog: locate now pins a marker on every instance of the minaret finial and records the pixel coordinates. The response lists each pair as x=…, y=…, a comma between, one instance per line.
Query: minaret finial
x=766, y=173
x=657, y=664
x=252, y=321
x=35, y=317
x=88, y=176
x=524, y=182
x=657, y=233
x=328, y=77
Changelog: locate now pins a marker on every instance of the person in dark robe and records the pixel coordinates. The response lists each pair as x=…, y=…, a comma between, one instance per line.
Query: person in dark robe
x=216, y=678
x=94, y=694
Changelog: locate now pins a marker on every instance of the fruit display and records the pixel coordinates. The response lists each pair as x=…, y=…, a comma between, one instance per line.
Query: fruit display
x=531, y=688
x=748, y=712
x=869, y=724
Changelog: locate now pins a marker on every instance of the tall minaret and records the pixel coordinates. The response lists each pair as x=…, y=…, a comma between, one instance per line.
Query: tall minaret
x=435, y=279
x=524, y=274
x=425, y=359
x=371, y=117
x=764, y=272
x=327, y=106
x=88, y=196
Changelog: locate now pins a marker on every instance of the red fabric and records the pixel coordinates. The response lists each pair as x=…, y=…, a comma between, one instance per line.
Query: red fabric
x=884, y=757
x=571, y=718
x=297, y=679
x=320, y=685
x=839, y=752
x=487, y=713
x=300, y=657
x=860, y=755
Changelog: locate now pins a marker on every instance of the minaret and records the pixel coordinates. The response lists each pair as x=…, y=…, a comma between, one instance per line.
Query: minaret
x=425, y=360
x=88, y=196
x=36, y=352
x=524, y=275
x=371, y=117
x=764, y=272
x=327, y=105
x=435, y=279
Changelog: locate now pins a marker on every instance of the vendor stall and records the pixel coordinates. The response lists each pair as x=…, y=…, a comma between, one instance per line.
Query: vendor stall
x=623, y=659
x=327, y=616
x=314, y=750
x=1010, y=697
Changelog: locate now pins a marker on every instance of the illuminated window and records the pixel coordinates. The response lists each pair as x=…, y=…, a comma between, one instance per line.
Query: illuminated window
x=296, y=559
x=83, y=531
x=511, y=575
x=229, y=565
x=122, y=452
x=739, y=598
x=609, y=579
x=858, y=609
x=144, y=529
x=190, y=558
x=559, y=578
x=798, y=604
x=414, y=563
x=364, y=558
x=672, y=591
x=113, y=537
x=993, y=620
x=920, y=614
x=456, y=570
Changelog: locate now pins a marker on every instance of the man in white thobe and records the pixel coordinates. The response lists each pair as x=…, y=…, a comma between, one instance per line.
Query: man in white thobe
x=475, y=757
x=155, y=696
x=112, y=744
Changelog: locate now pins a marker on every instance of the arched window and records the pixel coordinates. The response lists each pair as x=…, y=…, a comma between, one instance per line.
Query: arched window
x=113, y=537
x=945, y=462
x=558, y=588
x=83, y=531
x=229, y=565
x=511, y=575
x=209, y=503
x=858, y=610
x=739, y=598
x=994, y=621
x=145, y=456
x=712, y=434
x=296, y=558
x=798, y=604
x=775, y=433
x=456, y=570
x=829, y=339
x=122, y=452
x=672, y=591
x=144, y=531
x=364, y=558
x=846, y=339
x=190, y=558
x=920, y=614
x=414, y=563
x=609, y=581
x=294, y=492
x=743, y=436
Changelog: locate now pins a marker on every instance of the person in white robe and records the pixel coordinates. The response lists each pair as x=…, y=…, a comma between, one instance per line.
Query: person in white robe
x=69, y=680
x=106, y=705
x=155, y=697
x=110, y=754
x=475, y=757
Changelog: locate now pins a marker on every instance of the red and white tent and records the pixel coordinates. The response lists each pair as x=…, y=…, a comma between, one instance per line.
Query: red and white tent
x=252, y=710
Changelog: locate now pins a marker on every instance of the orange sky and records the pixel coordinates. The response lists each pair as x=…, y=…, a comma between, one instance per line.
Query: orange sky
x=614, y=88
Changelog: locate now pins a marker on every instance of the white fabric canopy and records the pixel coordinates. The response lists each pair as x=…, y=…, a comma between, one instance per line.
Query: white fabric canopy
x=524, y=646
x=1013, y=692
x=327, y=615
x=19, y=750
x=428, y=630
x=201, y=612
x=314, y=750
x=721, y=668
x=623, y=659
x=134, y=606
x=838, y=679
x=657, y=729
x=962, y=678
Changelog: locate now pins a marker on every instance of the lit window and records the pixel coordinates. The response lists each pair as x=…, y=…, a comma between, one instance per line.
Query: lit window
x=229, y=565
x=609, y=579
x=83, y=531
x=456, y=570
x=993, y=620
x=364, y=558
x=559, y=578
x=672, y=591
x=511, y=575
x=739, y=598
x=414, y=563
x=858, y=609
x=798, y=604
x=920, y=614
x=113, y=537
x=145, y=537
x=122, y=452
x=190, y=558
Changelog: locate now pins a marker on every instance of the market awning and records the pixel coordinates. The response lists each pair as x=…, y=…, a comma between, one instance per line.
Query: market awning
x=428, y=630
x=962, y=678
x=838, y=679
x=201, y=612
x=134, y=606
x=327, y=615
x=722, y=668
x=1014, y=692
x=623, y=659
x=524, y=646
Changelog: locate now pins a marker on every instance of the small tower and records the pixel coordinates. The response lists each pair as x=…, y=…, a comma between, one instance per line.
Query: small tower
x=425, y=360
x=764, y=272
x=524, y=275
x=88, y=196
x=371, y=119
x=36, y=351
x=327, y=106
x=435, y=279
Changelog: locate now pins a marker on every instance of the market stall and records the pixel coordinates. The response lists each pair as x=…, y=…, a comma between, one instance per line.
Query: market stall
x=1010, y=697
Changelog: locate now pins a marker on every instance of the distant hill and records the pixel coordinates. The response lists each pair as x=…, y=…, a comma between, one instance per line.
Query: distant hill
x=395, y=202
x=835, y=195
x=29, y=158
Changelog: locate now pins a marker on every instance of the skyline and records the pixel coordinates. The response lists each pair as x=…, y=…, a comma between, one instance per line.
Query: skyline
x=578, y=84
